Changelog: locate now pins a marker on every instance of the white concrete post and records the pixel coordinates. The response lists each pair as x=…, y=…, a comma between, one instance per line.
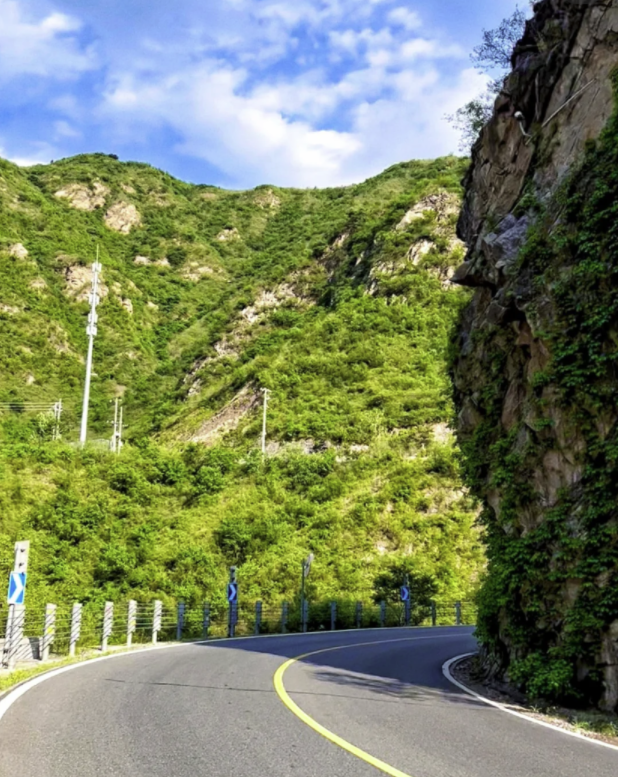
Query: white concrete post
x=108, y=624
x=131, y=621
x=49, y=631
x=76, y=627
x=156, y=620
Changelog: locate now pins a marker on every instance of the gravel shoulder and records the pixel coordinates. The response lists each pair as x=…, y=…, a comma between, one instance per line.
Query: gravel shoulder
x=590, y=723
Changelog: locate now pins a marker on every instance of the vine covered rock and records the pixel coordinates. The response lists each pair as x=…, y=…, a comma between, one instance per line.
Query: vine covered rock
x=536, y=368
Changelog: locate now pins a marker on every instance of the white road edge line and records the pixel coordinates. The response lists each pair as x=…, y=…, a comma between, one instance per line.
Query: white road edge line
x=11, y=697
x=446, y=671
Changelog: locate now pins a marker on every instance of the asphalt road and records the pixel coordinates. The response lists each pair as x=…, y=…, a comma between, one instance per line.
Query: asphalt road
x=200, y=710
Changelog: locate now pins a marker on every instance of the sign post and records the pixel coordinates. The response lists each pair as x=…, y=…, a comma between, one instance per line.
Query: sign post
x=304, y=609
x=404, y=593
x=258, y=618
x=180, y=620
x=206, y=621
x=232, y=599
x=284, y=617
x=15, y=599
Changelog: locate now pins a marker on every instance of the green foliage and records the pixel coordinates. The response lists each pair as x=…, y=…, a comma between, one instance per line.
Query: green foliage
x=355, y=358
x=551, y=590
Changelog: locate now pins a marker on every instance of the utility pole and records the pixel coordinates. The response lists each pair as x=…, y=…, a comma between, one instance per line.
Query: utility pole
x=306, y=566
x=120, y=423
x=91, y=331
x=266, y=392
x=116, y=441
x=57, y=419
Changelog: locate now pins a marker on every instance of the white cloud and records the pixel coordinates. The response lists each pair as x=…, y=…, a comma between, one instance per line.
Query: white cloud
x=404, y=17
x=41, y=154
x=43, y=47
x=64, y=130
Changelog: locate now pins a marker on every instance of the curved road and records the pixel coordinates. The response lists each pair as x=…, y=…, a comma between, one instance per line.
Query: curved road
x=212, y=710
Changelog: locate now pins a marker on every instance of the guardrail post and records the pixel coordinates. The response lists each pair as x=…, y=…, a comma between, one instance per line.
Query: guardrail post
x=258, y=617
x=359, y=614
x=108, y=624
x=434, y=614
x=206, y=621
x=156, y=620
x=180, y=621
x=382, y=613
x=284, y=617
x=131, y=620
x=14, y=634
x=458, y=613
x=76, y=627
x=333, y=616
x=49, y=631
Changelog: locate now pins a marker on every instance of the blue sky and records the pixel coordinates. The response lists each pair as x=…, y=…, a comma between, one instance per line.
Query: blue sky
x=239, y=92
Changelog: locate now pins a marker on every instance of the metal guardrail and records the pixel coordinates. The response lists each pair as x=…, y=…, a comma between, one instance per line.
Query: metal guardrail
x=69, y=627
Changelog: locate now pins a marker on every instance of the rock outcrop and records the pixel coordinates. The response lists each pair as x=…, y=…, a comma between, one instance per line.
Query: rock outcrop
x=536, y=375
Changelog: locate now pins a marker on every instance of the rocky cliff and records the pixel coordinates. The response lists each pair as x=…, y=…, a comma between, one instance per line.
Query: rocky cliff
x=536, y=371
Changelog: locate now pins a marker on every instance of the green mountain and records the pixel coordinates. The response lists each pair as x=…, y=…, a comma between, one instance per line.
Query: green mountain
x=337, y=301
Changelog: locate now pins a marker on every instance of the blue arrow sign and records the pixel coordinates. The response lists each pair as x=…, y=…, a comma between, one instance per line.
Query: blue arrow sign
x=404, y=592
x=17, y=588
x=232, y=592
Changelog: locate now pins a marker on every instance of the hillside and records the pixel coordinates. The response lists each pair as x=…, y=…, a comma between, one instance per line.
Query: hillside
x=338, y=301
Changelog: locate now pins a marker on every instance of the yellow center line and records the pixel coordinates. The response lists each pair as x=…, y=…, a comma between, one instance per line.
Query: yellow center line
x=326, y=733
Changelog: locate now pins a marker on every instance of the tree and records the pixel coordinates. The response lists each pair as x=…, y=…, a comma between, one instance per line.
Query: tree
x=492, y=57
x=423, y=588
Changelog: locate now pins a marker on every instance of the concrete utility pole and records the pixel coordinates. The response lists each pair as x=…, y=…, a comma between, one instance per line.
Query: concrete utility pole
x=57, y=419
x=266, y=392
x=91, y=331
x=116, y=441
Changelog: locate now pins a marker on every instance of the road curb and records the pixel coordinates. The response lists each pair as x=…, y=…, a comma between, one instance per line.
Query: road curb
x=446, y=671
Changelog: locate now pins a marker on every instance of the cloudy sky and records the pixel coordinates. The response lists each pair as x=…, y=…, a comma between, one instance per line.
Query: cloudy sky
x=239, y=92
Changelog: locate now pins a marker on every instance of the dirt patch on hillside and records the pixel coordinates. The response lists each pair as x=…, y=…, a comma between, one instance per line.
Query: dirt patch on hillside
x=228, y=418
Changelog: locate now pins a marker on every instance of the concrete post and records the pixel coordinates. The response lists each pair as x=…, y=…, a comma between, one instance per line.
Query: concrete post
x=383, y=613
x=458, y=613
x=180, y=622
x=359, y=614
x=333, y=616
x=14, y=634
x=156, y=620
x=49, y=631
x=206, y=621
x=258, y=617
x=284, y=617
x=108, y=624
x=76, y=627
x=131, y=620
x=434, y=614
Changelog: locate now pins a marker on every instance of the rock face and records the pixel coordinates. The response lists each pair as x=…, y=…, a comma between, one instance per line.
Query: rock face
x=84, y=197
x=122, y=217
x=536, y=375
